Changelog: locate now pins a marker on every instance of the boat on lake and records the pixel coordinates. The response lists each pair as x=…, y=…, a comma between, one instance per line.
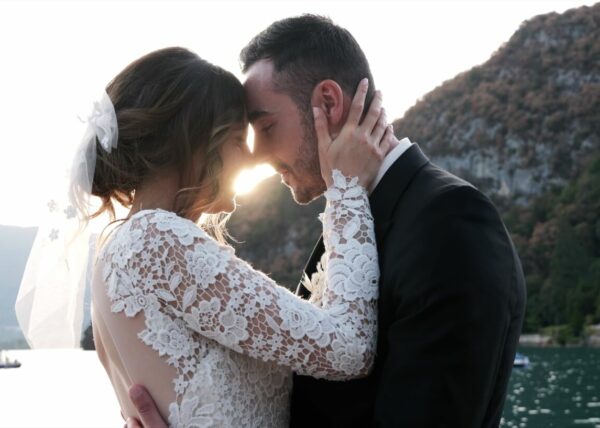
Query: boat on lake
x=521, y=360
x=7, y=363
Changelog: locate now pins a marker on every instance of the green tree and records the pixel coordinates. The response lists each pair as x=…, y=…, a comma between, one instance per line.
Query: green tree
x=568, y=262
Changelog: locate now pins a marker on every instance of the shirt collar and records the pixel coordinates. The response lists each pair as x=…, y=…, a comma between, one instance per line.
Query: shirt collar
x=389, y=160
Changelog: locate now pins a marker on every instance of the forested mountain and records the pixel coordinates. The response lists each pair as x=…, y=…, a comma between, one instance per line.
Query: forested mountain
x=558, y=237
x=525, y=128
x=526, y=121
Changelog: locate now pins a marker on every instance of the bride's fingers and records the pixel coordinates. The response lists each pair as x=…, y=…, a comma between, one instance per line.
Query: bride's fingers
x=358, y=103
x=373, y=114
x=321, y=130
x=324, y=142
x=385, y=143
x=380, y=128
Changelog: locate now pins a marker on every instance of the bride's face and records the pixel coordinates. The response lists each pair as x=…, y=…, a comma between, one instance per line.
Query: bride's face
x=236, y=156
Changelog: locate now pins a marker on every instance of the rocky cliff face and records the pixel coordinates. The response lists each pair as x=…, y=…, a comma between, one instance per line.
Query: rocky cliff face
x=525, y=121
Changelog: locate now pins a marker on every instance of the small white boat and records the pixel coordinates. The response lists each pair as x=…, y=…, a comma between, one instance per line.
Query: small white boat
x=521, y=360
x=6, y=363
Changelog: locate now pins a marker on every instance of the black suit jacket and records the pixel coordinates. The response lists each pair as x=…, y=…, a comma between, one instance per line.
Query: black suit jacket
x=451, y=305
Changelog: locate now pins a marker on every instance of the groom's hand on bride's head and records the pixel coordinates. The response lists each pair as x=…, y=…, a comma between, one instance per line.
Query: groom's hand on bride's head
x=146, y=408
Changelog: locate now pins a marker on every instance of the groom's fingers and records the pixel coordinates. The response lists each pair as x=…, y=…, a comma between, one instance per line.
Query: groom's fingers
x=147, y=410
x=358, y=103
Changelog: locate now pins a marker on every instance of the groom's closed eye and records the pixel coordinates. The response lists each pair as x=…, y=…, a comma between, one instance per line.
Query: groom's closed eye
x=261, y=122
x=256, y=115
x=267, y=128
x=264, y=125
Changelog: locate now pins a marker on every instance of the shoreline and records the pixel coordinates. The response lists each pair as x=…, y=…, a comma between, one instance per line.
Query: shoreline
x=538, y=340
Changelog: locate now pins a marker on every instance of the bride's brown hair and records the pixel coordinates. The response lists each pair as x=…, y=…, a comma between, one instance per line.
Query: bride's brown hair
x=169, y=103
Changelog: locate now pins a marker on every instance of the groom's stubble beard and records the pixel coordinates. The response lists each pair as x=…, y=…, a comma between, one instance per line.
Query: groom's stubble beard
x=310, y=184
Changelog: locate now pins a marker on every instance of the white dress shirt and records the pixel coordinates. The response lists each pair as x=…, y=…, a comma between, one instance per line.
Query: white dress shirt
x=389, y=160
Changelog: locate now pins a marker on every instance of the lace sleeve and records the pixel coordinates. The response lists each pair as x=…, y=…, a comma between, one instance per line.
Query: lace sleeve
x=181, y=272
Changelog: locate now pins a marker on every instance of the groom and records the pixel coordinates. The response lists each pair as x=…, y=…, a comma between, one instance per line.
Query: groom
x=452, y=293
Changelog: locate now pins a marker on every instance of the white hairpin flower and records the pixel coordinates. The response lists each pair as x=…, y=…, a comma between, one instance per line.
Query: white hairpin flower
x=103, y=121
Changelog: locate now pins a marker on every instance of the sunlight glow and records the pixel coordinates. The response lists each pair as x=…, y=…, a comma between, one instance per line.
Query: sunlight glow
x=248, y=179
x=250, y=139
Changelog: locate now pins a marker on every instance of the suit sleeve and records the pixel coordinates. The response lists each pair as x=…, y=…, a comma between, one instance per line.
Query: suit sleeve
x=451, y=294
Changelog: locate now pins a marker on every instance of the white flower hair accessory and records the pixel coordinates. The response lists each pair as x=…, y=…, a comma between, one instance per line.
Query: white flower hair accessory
x=103, y=122
x=49, y=305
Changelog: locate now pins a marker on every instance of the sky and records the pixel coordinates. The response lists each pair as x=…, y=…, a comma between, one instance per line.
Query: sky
x=58, y=56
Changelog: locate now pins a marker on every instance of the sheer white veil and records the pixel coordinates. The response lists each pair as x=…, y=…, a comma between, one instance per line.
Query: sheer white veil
x=49, y=305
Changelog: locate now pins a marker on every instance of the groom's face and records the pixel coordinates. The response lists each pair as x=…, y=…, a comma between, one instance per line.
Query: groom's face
x=284, y=136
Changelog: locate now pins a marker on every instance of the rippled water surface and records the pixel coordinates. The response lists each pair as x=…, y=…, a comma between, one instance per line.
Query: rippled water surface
x=560, y=388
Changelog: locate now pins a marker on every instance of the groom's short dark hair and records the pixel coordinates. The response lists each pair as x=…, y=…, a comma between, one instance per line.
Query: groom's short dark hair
x=306, y=50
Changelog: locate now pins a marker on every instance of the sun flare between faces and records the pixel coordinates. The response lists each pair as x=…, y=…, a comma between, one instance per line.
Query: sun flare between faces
x=248, y=179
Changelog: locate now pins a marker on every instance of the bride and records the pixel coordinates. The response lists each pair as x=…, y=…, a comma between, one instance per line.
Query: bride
x=174, y=309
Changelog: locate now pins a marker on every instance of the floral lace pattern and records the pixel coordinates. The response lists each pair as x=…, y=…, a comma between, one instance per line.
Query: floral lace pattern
x=233, y=335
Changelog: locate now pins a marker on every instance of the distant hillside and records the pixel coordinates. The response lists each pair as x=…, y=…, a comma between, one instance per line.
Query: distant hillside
x=525, y=121
x=15, y=244
x=525, y=128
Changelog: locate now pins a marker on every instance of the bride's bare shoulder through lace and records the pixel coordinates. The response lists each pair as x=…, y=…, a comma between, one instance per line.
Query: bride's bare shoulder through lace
x=197, y=296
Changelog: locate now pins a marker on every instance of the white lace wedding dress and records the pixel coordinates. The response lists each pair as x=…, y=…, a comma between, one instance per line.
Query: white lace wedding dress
x=216, y=341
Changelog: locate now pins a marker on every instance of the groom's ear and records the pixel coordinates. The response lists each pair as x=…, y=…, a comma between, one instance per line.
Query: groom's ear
x=329, y=97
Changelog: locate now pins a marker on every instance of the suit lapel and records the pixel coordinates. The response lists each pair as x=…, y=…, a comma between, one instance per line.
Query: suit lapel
x=311, y=267
x=387, y=195
x=383, y=200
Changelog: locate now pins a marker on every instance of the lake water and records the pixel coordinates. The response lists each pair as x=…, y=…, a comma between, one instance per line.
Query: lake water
x=57, y=388
x=68, y=388
x=561, y=388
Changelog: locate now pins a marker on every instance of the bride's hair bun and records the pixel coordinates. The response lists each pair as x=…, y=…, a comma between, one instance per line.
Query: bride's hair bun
x=169, y=104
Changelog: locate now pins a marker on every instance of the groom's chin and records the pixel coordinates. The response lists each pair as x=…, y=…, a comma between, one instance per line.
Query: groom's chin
x=306, y=195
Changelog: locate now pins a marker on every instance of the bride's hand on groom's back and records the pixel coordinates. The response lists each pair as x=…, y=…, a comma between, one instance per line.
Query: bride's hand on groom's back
x=360, y=147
